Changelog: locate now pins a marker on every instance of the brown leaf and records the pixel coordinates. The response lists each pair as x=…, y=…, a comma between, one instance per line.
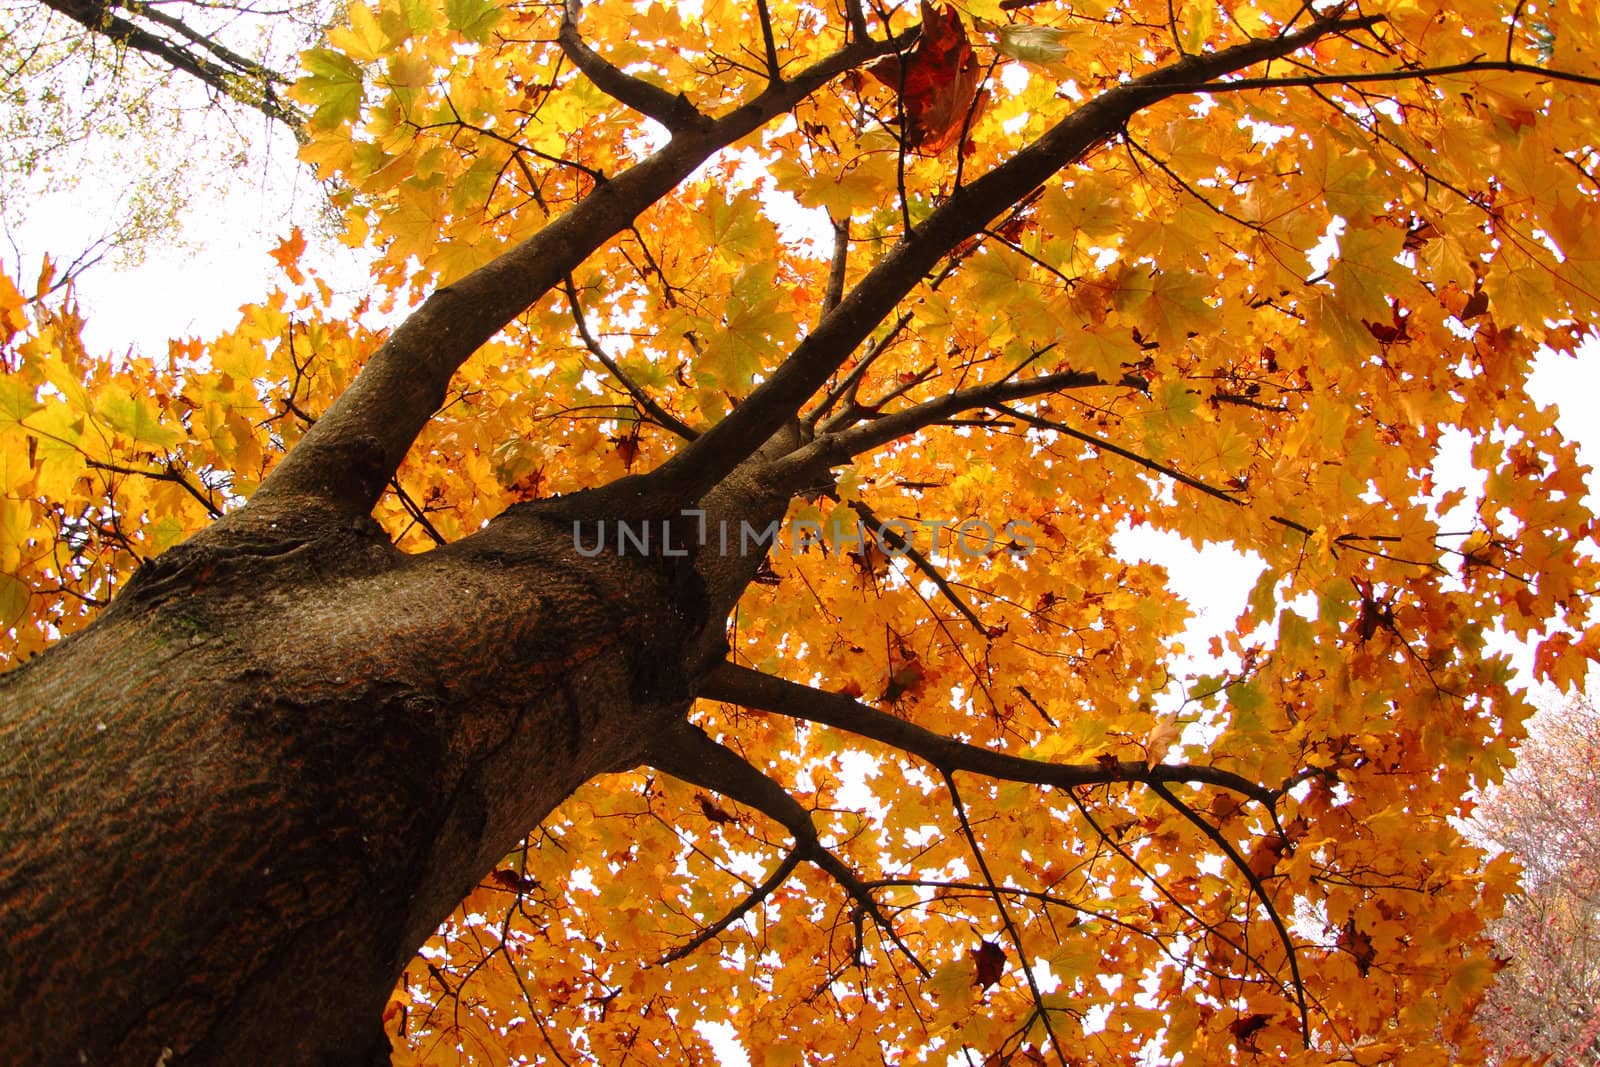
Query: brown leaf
x=1245, y=1028
x=711, y=811
x=991, y=962
x=1264, y=856
x=937, y=82
x=506, y=879
x=1358, y=944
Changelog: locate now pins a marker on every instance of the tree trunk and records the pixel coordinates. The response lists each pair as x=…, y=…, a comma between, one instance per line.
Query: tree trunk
x=235, y=806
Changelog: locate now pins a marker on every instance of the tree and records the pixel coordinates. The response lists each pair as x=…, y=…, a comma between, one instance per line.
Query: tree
x=90, y=110
x=1546, y=814
x=188, y=38
x=325, y=619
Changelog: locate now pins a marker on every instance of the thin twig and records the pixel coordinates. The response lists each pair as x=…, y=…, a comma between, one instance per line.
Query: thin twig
x=1005, y=917
x=661, y=415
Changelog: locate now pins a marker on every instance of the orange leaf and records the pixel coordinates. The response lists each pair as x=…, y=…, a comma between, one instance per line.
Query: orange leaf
x=287, y=254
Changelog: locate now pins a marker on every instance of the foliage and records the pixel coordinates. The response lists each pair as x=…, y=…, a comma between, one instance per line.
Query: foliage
x=1240, y=296
x=1547, y=814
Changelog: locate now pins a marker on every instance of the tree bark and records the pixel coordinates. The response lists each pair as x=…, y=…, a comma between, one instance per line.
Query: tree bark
x=235, y=806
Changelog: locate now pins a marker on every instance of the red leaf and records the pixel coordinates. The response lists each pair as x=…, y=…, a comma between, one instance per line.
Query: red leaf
x=627, y=448
x=1384, y=334
x=506, y=878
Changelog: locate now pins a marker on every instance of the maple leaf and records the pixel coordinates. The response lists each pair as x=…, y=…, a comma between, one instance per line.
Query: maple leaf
x=713, y=812
x=1358, y=944
x=287, y=254
x=990, y=962
x=937, y=81
x=1245, y=1028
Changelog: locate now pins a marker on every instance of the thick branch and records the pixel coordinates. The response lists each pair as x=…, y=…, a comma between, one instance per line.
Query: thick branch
x=968, y=210
x=671, y=110
x=346, y=459
x=837, y=265
x=243, y=64
x=1236, y=85
x=752, y=689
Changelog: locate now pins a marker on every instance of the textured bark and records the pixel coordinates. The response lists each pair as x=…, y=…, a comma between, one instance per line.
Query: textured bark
x=235, y=806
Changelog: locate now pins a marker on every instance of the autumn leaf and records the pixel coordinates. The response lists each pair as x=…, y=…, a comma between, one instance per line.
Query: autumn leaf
x=287, y=255
x=1358, y=945
x=937, y=81
x=713, y=812
x=989, y=959
x=1046, y=46
x=1245, y=1028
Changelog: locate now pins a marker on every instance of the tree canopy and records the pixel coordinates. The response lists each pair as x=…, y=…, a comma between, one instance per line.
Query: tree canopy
x=971, y=291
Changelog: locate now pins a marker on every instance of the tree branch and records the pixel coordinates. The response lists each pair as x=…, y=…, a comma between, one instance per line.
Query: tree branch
x=344, y=462
x=646, y=402
x=1117, y=450
x=97, y=17
x=923, y=564
x=847, y=386
x=1406, y=74
x=833, y=449
x=836, y=266
x=171, y=474
x=671, y=110
x=1216, y=837
x=734, y=684
x=761, y=892
x=243, y=64
x=688, y=753
x=1023, y=963
x=769, y=42
x=965, y=213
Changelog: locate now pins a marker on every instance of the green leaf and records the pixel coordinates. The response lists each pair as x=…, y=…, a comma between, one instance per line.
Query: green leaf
x=1043, y=46
x=473, y=19
x=130, y=415
x=18, y=399
x=332, y=86
x=13, y=600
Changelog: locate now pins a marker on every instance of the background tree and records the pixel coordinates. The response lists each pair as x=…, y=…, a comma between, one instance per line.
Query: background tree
x=143, y=112
x=1547, y=814
x=1229, y=270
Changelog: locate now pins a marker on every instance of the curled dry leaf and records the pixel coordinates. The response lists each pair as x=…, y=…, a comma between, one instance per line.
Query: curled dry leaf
x=937, y=82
